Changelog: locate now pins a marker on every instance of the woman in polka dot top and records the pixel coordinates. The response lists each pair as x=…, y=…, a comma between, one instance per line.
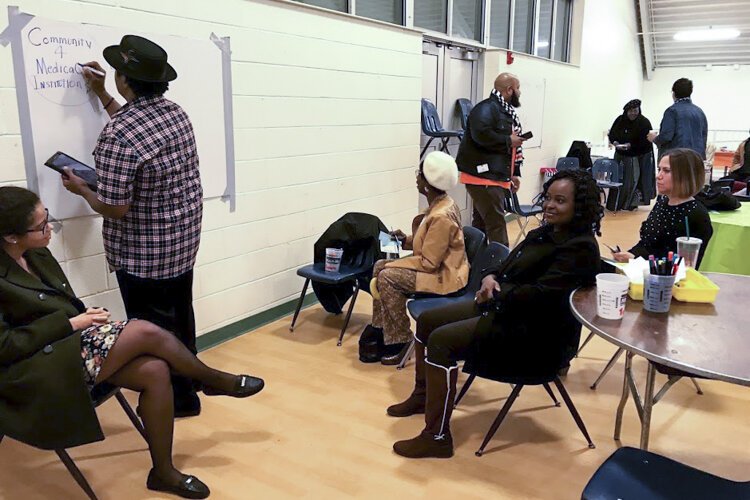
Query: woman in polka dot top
x=679, y=178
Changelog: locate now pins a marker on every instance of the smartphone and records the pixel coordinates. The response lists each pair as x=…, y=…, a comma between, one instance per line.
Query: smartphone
x=527, y=135
x=60, y=160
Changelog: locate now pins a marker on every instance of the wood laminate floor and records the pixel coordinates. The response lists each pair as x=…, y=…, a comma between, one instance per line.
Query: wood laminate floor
x=319, y=430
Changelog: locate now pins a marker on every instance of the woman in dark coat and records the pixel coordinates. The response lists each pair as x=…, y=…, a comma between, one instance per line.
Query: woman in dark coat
x=636, y=155
x=533, y=332
x=53, y=350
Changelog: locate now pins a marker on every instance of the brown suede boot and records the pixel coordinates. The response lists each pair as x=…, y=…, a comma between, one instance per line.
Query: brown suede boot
x=435, y=440
x=414, y=404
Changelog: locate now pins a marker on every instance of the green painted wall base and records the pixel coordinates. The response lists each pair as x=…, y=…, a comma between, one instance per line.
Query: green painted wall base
x=228, y=332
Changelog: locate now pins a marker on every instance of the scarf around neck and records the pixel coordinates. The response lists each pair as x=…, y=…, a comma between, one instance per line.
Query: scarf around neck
x=518, y=156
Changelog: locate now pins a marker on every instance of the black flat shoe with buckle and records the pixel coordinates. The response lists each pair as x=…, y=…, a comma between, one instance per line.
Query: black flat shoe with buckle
x=189, y=487
x=244, y=386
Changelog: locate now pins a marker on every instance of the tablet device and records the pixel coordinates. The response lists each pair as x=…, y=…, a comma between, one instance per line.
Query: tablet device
x=527, y=135
x=60, y=160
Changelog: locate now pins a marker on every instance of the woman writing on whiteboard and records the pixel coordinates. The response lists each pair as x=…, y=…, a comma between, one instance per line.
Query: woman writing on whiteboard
x=149, y=192
x=54, y=350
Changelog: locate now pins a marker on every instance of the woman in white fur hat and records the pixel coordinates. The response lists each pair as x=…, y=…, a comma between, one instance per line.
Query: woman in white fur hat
x=438, y=265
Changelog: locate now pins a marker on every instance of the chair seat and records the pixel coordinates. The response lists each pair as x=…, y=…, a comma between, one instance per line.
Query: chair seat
x=527, y=210
x=317, y=272
x=633, y=473
x=444, y=133
x=427, y=295
x=522, y=380
x=418, y=307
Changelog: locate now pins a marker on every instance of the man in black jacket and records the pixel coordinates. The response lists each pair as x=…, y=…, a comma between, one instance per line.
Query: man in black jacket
x=490, y=155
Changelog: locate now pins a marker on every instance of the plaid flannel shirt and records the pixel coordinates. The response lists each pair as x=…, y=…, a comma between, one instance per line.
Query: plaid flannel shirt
x=146, y=157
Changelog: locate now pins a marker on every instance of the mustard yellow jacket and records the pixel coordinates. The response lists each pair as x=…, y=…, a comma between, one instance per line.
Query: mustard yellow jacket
x=439, y=252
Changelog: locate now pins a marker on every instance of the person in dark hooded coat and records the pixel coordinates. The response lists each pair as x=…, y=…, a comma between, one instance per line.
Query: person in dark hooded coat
x=629, y=135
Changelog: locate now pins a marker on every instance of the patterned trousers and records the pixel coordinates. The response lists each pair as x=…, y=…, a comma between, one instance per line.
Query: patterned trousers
x=389, y=313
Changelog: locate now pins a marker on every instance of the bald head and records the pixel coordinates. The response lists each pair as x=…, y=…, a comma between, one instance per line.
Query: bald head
x=508, y=85
x=505, y=80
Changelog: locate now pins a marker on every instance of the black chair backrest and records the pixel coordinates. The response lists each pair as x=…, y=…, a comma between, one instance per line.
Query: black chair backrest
x=430, y=118
x=723, y=185
x=607, y=165
x=580, y=150
x=567, y=164
x=511, y=202
x=474, y=240
x=490, y=256
x=464, y=107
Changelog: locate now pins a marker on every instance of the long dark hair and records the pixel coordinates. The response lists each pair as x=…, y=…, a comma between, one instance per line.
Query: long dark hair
x=17, y=207
x=588, y=205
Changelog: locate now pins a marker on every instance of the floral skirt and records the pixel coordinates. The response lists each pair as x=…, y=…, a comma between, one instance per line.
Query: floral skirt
x=96, y=341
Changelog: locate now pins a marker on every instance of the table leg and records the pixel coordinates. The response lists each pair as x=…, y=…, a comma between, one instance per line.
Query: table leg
x=648, y=403
x=625, y=392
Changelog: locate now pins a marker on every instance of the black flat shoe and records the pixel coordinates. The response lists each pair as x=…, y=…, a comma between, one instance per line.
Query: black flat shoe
x=189, y=487
x=394, y=353
x=244, y=386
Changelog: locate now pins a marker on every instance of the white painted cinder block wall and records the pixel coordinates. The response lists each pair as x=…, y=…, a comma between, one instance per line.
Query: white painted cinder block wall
x=721, y=92
x=326, y=121
x=583, y=98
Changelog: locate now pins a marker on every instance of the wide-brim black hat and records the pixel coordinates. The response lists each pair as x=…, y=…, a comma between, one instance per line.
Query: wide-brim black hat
x=140, y=59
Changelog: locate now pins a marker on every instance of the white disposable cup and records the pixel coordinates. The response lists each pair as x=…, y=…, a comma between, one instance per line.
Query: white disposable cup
x=688, y=249
x=611, y=295
x=333, y=259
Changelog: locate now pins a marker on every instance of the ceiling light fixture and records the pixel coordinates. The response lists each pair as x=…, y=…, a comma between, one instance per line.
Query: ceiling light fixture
x=706, y=35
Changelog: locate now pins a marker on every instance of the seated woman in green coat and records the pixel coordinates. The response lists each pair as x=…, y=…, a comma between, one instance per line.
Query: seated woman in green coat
x=53, y=350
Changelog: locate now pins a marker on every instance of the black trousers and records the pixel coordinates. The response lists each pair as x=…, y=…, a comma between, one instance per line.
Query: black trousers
x=167, y=303
x=448, y=332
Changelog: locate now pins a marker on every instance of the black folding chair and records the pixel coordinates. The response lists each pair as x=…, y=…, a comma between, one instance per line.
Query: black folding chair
x=518, y=383
x=101, y=393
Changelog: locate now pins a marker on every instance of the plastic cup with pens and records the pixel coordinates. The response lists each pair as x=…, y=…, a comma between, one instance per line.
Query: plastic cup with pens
x=658, y=283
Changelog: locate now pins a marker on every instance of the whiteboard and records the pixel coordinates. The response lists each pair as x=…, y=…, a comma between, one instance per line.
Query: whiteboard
x=531, y=111
x=59, y=112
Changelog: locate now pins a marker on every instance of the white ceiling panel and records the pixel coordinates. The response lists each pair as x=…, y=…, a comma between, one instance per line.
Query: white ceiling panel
x=667, y=17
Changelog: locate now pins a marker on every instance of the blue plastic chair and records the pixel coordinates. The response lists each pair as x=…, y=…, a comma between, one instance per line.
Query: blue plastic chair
x=638, y=474
x=487, y=257
x=476, y=246
x=524, y=212
x=433, y=128
x=346, y=274
x=566, y=163
x=464, y=107
x=609, y=169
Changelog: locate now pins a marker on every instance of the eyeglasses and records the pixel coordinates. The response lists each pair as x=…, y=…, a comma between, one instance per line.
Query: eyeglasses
x=44, y=226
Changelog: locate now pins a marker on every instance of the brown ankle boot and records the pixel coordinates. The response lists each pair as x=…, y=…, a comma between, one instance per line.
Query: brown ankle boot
x=435, y=440
x=414, y=404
